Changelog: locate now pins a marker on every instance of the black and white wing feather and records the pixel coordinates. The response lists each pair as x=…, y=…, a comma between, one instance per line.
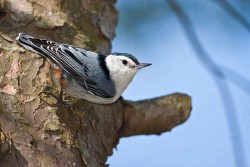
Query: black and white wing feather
x=85, y=67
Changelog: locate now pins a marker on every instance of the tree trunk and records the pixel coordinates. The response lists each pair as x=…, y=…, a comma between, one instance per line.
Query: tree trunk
x=36, y=130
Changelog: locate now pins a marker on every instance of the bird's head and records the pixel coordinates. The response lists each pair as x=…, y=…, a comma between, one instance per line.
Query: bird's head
x=122, y=68
x=124, y=64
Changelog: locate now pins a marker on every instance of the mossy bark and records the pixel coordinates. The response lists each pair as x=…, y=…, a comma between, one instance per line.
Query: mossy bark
x=36, y=130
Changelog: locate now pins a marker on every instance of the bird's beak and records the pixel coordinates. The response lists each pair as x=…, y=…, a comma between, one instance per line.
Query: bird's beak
x=142, y=65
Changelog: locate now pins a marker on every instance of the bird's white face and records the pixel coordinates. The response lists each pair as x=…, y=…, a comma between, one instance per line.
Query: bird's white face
x=122, y=70
x=121, y=66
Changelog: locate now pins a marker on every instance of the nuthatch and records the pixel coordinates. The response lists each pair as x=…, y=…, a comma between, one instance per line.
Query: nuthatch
x=84, y=74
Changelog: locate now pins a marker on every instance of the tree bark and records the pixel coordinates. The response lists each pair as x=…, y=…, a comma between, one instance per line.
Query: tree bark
x=36, y=130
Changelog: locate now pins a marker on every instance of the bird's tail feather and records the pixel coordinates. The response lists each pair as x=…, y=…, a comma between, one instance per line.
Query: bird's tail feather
x=35, y=44
x=25, y=41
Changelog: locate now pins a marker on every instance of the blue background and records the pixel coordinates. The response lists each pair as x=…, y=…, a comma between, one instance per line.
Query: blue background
x=151, y=31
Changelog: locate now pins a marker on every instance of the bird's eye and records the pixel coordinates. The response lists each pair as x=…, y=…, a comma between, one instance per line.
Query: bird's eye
x=125, y=62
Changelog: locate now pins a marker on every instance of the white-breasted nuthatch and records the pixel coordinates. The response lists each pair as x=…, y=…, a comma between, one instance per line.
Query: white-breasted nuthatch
x=84, y=74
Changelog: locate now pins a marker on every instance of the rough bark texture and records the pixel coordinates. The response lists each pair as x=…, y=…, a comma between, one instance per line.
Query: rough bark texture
x=36, y=130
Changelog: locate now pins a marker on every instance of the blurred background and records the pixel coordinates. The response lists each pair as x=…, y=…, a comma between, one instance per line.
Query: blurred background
x=201, y=48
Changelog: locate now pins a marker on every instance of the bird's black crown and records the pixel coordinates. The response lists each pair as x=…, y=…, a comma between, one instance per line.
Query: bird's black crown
x=127, y=55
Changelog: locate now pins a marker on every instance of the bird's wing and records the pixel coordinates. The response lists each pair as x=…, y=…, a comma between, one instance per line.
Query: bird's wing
x=70, y=58
x=77, y=62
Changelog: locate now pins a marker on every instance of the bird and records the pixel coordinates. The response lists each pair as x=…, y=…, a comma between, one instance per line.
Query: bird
x=84, y=74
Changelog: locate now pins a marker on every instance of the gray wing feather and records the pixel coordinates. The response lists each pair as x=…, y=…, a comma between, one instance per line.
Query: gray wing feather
x=84, y=66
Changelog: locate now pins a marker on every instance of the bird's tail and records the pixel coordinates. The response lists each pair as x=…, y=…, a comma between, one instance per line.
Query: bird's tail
x=34, y=44
x=25, y=41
